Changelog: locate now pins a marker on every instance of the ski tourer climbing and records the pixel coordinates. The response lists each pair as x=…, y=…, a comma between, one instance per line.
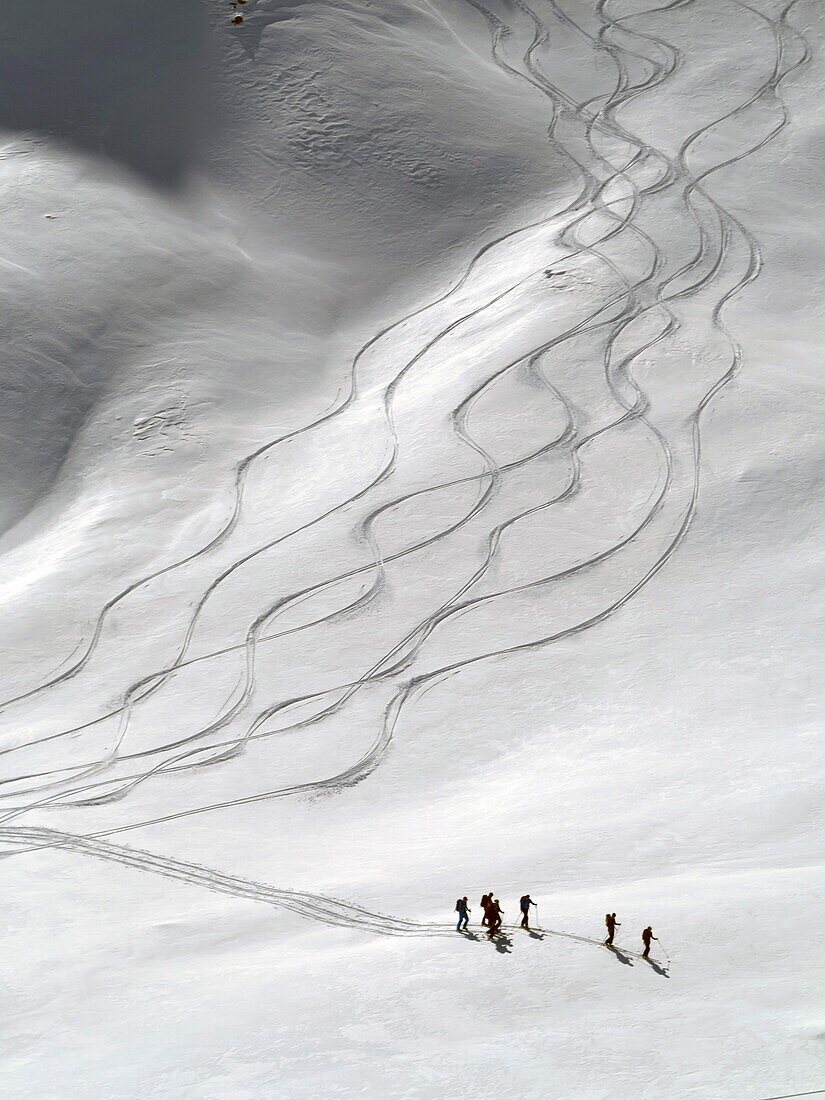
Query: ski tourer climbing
x=647, y=936
x=489, y=914
x=612, y=924
x=525, y=904
x=486, y=900
x=463, y=914
x=494, y=915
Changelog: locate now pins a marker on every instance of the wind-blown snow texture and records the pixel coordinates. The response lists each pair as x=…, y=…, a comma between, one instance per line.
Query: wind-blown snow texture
x=413, y=453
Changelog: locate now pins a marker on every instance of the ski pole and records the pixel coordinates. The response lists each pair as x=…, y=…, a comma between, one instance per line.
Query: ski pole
x=663, y=948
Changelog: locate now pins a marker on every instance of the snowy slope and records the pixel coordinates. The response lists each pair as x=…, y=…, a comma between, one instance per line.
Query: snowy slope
x=416, y=491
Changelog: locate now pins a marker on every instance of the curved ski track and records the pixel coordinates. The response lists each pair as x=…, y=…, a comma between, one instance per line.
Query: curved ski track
x=634, y=301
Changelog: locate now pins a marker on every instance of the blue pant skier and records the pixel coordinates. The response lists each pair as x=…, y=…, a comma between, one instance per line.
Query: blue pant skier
x=463, y=914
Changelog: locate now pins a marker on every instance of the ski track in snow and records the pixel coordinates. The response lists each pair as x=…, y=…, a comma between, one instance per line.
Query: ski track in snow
x=318, y=907
x=725, y=260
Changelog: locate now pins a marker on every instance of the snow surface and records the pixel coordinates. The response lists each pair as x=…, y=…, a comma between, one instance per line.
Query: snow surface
x=352, y=563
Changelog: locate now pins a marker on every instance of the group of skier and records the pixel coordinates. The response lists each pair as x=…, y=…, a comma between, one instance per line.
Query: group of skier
x=612, y=924
x=493, y=914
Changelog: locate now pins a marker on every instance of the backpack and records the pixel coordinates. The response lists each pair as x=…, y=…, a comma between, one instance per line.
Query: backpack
x=459, y=905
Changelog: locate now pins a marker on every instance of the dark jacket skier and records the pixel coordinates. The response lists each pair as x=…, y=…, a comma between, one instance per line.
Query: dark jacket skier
x=612, y=925
x=494, y=914
x=525, y=904
x=486, y=899
x=463, y=914
x=647, y=936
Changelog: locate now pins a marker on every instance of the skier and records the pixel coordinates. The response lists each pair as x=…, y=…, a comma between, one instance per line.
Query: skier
x=525, y=904
x=489, y=913
x=463, y=914
x=494, y=915
x=647, y=936
x=485, y=902
x=612, y=925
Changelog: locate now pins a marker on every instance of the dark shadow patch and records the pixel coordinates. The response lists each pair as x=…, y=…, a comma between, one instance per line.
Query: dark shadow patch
x=125, y=80
x=659, y=969
x=620, y=955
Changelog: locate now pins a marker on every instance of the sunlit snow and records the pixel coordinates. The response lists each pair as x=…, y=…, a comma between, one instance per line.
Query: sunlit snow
x=412, y=452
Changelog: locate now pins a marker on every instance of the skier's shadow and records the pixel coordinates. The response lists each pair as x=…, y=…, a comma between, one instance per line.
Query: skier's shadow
x=659, y=970
x=620, y=955
x=534, y=935
x=468, y=935
x=504, y=945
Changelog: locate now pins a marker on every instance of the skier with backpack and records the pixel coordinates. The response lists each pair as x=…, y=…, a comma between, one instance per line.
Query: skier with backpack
x=463, y=915
x=494, y=914
x=647, y=936
x=612, y=924
x=486, y=900
x=525, y=904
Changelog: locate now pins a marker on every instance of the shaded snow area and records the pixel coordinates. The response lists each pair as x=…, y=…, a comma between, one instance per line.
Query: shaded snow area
x=412, y=460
